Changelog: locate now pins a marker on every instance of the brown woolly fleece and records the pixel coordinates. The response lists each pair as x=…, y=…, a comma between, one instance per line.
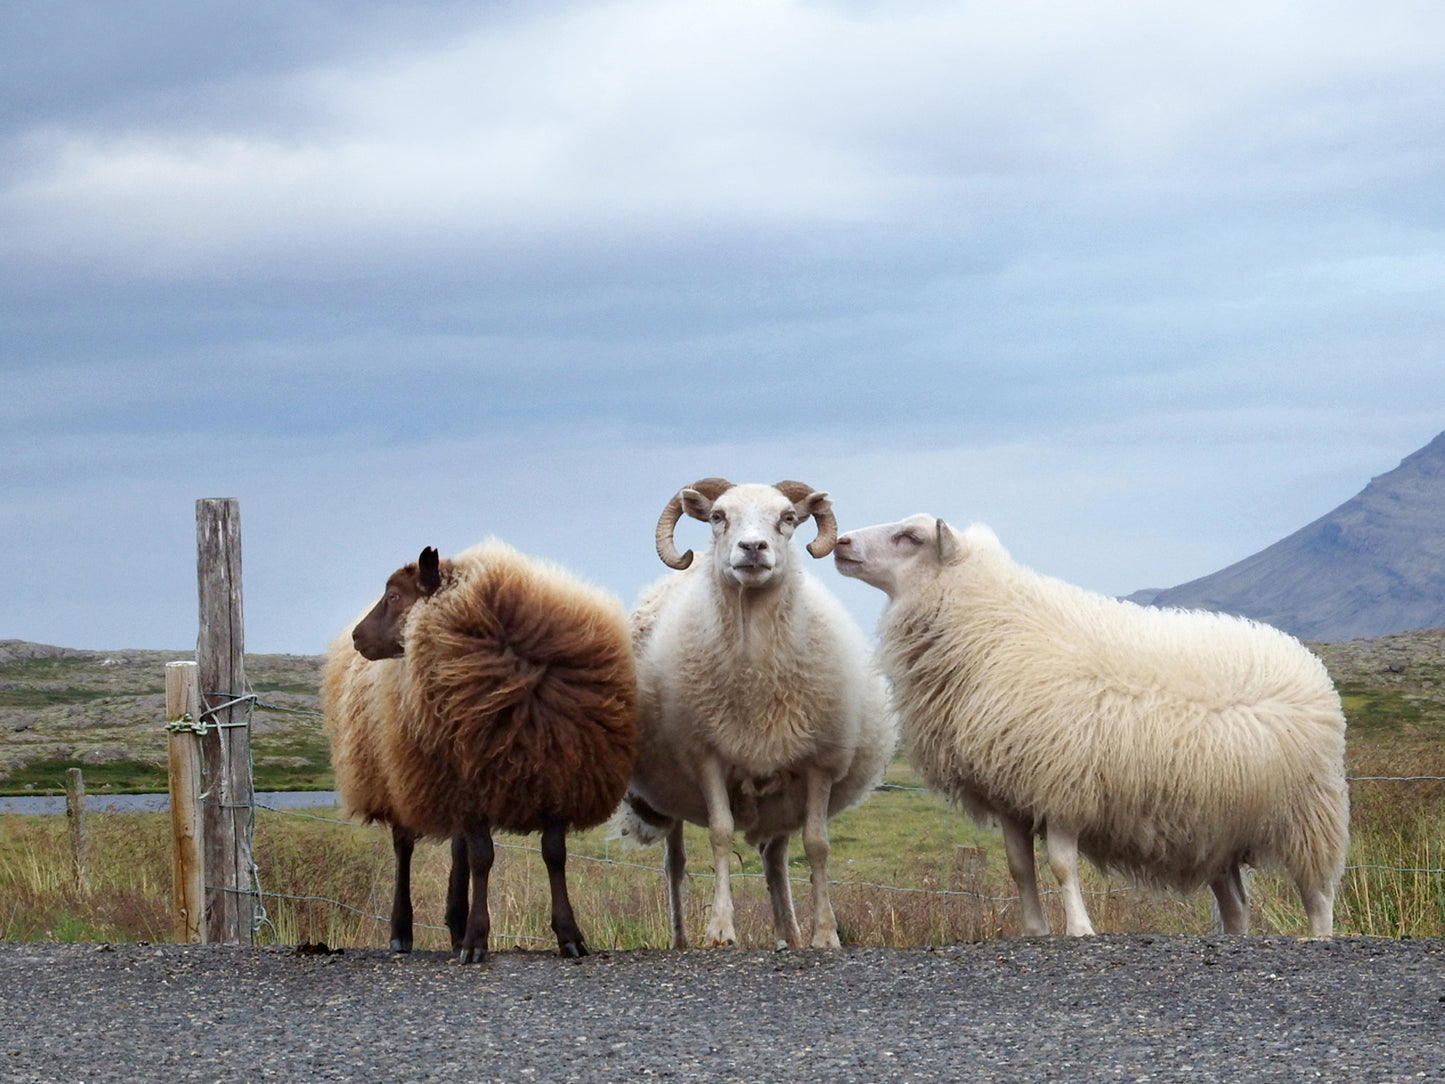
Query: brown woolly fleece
x=356, y=697
x=515, y=700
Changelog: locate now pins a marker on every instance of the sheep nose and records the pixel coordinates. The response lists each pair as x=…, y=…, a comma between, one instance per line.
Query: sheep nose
x=844, y=542
x=752, y=549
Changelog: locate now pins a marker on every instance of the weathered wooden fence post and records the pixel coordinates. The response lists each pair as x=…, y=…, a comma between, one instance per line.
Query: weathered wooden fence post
x=79, y=841
x=226, y=744
x=188, y=866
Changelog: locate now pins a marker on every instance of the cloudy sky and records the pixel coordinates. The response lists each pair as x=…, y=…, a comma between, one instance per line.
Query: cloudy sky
x=1145, y=286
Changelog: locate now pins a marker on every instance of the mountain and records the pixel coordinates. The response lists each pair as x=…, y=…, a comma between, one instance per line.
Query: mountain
x=1372, y=567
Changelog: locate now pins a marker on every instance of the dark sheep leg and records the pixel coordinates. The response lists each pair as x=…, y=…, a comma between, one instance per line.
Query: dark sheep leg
x=403, y=842
x=457, y=884
x=674, y=863
x=775, y=871
x=554, y=853
x=478, y=836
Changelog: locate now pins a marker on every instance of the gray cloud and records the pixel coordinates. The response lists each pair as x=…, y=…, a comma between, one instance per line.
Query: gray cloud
x=1145, y=287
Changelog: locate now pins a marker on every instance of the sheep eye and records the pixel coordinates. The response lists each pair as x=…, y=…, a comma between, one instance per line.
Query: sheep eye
x=909, y=537
x=790, y=519
x=716, y=517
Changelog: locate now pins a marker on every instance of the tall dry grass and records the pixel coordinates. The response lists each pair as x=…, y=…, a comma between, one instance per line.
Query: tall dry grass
x=910, y=871
x=126, y=897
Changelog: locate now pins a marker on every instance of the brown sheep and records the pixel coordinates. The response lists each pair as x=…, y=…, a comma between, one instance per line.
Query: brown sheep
x=487, y=691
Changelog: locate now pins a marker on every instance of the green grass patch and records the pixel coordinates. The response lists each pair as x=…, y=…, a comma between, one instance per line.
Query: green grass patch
x=48, y=697
x=297, y=687
x=44, y=669
x=287, y=777
x=1380, y=709
x=289, y=763
x=908, y=870
x=117, y=777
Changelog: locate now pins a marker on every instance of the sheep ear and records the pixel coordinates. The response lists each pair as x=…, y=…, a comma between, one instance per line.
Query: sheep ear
x=696, y=504
x=947, y=544
x=429, y=573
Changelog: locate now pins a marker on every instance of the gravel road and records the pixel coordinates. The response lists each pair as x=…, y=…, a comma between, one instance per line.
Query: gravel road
x=1135, y=1008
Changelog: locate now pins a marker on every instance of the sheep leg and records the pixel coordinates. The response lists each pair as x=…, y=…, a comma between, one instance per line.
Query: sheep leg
x=480, y=853
x=1232, y=900
x=457, y=884
x=720, y=931
x=1063, y=849
x=815, y=846
x=554, y=853
x=403, y=842
x=1319, y=904
x=674, y=864
x=775, y=871
x=1018, y=845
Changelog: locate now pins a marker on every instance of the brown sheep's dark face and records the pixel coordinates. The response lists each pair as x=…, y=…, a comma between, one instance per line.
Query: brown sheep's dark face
x=378, y=634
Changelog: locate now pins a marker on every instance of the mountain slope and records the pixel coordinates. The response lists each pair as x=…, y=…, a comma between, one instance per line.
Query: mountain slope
x=1373, y=566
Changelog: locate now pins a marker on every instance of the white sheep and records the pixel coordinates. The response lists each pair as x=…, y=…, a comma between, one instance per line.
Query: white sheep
x=1173, y=746
x=758, y=706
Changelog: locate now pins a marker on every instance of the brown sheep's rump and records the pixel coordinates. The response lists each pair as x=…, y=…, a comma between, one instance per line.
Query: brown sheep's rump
x=519, y=700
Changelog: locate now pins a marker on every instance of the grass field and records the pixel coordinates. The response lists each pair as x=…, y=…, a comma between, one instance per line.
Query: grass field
x=910, y=871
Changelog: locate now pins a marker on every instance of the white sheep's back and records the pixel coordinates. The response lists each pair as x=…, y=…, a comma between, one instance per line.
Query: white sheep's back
x=1023, y=694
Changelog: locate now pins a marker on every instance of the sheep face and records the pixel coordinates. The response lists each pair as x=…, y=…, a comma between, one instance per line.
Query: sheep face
x=892, y=556
x=751, y=529
x=378, y=635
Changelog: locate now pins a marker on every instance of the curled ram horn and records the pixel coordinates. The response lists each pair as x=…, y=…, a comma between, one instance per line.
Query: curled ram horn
x=712, y=489
x=827, y=525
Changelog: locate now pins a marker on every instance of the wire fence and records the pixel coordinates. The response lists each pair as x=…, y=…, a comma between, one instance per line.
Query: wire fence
x=573, y=856
x=262, y=918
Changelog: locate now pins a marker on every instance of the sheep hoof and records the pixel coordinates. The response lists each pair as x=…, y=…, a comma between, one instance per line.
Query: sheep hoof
x=574, y=950
x=401, y=946
x=472, y=956
x=720, y=933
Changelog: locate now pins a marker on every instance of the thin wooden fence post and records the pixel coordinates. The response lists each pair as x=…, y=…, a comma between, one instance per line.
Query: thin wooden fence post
x=79, y=841
x=188, y=864
x=228, y=802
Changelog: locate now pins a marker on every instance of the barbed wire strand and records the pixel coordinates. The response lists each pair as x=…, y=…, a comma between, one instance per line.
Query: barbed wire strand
x=942, y=893
x=261, y=919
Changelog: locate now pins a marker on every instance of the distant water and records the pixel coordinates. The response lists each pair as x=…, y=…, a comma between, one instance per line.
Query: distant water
x=159, y=803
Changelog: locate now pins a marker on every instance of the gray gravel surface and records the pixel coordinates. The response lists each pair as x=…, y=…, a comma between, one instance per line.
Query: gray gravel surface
x=1134, y=1008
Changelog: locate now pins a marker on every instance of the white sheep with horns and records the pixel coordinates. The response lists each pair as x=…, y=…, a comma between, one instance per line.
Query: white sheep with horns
x=1172, y=746
x=758, y=705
